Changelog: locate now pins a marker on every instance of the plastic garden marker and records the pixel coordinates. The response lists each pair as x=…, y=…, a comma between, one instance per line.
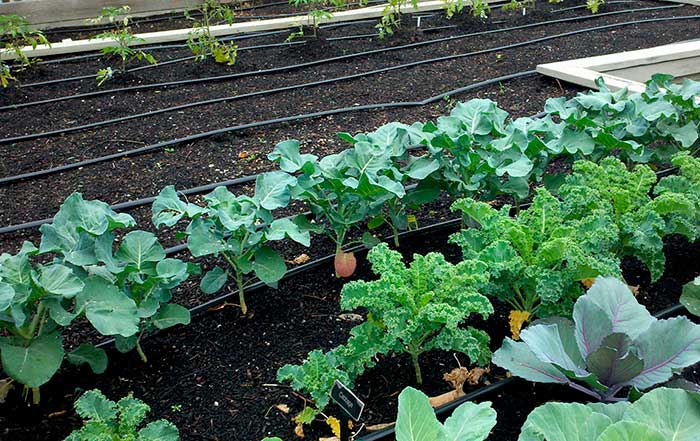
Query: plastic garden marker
x=350, y=405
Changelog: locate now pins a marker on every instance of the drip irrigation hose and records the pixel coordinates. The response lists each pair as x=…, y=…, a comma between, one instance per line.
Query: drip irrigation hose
x=294, y=118
x=365, y=53
x=63, y=131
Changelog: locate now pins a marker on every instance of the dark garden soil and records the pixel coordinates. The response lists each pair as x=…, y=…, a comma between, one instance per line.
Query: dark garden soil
x=215, y=379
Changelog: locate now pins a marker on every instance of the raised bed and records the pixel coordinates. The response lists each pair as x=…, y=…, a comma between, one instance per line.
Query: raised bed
x=215, y=379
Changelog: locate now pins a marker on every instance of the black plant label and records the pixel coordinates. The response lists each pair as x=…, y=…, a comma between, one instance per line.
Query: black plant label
x=347, y=400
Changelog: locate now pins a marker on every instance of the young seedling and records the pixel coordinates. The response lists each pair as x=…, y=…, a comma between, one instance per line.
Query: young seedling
x=201, y=41
x=123, y=38
x=107, y=420
x=15, y=34
x=320, y=10
x=391, y=17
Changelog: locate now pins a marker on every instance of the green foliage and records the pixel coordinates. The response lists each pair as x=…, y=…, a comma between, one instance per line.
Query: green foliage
x=594, y=5
x=237, y=229
x=409, y=310
x=662, y=414
x=134, y=278
x=121, y=293
x=416, y=420
x=316, y=375
x=365, y=182
x=106, y=420
x=319, y=10
x=612, y=343
x=538, y=258
x=515, y=5
x=15, y=34
x=480, y=8
x=421, y=307
x=391, y=17
x=122, y=38
x=200, y=39
x=625, y=195
x=646, y=127
x=691, y=296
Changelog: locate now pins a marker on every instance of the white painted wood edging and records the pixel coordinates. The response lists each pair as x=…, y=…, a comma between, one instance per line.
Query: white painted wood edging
x=585, y=71
x=70, y=46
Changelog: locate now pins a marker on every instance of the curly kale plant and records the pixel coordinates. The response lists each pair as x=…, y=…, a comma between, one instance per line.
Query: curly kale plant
x=660, y=415
x=421, y=307
x=238, y=229
x=136, y=272
x=642, y=221
x=106, y=420
x=410, y=310
x=613, y=343
x=538, y=258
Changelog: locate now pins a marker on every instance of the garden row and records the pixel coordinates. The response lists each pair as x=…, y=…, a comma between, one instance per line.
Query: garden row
x=161, y=165
x=476, y=151
x=16, y=33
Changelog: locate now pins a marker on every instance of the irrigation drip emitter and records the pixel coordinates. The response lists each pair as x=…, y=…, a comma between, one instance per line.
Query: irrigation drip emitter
x=365, y=53
x=225, y=130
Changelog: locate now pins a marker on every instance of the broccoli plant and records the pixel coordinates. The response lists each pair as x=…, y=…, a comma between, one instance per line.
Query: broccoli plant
x=343, y=189
x=237, y=229
x=15, y=34
x=82, y=236
x=662, y=414
x=416, y=420
x=34, y=304
x=107, y=420
x=122, y=38
x=200, y=39
x=538, y=258
x=612, y=344
x=604, y=122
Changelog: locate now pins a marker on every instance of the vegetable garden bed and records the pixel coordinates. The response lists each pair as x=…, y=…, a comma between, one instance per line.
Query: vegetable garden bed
x=216, y=378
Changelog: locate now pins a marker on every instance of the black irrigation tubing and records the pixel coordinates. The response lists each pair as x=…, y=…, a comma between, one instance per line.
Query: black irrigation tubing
x=250, y=178
x=480, y=393
x=370, y=52
x=225, y=130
